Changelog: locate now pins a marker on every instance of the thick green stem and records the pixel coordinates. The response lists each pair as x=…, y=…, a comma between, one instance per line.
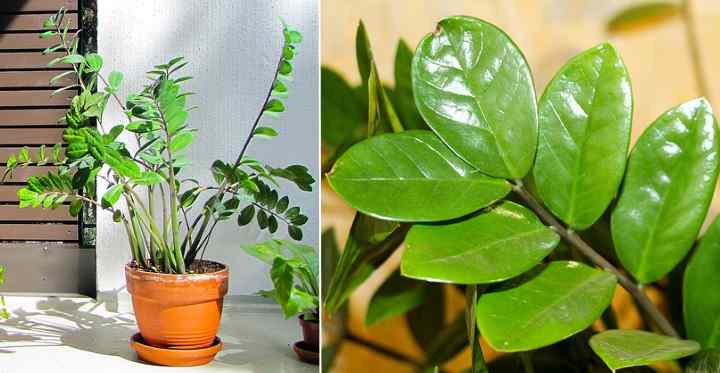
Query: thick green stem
x=576, y=241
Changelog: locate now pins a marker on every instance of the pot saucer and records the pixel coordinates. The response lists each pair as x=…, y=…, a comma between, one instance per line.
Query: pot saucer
x=174, y=357
x=305, y=353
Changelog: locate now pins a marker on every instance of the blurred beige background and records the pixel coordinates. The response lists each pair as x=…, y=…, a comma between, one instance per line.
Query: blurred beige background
x=549, y=32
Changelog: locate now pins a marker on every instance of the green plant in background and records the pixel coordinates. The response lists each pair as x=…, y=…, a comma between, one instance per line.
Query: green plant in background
x=295, y=276
x=533, y=206
x=165, y=233
x=3, y=310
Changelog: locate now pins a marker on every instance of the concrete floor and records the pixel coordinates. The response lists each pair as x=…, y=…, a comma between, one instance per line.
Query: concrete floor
x=75, y=334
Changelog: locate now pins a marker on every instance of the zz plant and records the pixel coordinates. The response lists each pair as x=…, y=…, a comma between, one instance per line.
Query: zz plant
x=534, y=206
x=169, y=218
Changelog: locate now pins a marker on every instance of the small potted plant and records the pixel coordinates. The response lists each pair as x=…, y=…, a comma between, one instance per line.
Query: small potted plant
x=168, y=216
x=295, y=278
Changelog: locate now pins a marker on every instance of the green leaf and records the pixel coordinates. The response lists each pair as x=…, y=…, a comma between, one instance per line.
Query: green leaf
x=447, y=342
x=425, y=320
x=631, y=348
x=363, y=52
x=701, y=295
x=246, y=215
x=704, y=362
x=669, y=183
x=115, y=80
x=47, y=34
x=94, y=61
x=282, y=205
x=24, y=155
x=343, y=114
x=644, y=13
x=295, y=233
x=71, y=59
x=492, y=246
x=393, y=176
x=149, y=178
x=275, y=106
x=382, y=116
x=403, y=96
x=396, y=296
x=474, y=88
x=369, y=243
x=282, y=277
x=181, y=141
x=265, y=132
x=60, y=76
x=76, y=207
x=112, y=195
x=544, y=306
x=585, y=117
x=262, y=219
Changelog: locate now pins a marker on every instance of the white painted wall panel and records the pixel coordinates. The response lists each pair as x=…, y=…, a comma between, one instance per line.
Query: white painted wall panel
x=233, y=47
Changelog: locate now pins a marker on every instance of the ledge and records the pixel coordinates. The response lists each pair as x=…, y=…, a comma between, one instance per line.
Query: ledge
x=77, y=334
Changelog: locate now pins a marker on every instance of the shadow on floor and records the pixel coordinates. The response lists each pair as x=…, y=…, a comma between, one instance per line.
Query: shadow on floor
x=76, y=323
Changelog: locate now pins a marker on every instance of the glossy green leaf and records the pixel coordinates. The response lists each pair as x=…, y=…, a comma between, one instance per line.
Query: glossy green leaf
x=644, y=13
x=181, y=141
x=344, y=115
x=631, y=348
x=670, y=180
x=267, y=132
x=382, y=116
x=393, y=176
x=402, y=95
x=701, y=294
x=474, y=88
x=112, y=195
x=492, y=246
x=704, y=362
x=396, y=296
x=585, y=117
x=544, y=306
x=369, y=243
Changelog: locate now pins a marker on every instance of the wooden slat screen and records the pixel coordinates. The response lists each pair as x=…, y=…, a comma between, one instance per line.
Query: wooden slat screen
x=29, y=114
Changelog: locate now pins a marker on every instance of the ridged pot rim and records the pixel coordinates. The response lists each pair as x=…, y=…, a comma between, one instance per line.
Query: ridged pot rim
x=135, y=272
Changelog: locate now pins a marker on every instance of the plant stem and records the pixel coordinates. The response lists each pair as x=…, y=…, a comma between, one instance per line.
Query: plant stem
x=478, y=360
x=574, y=239
x=262, y=110
x=693, y=45
x=382, y=350
x=175, y=226
x=527, y=362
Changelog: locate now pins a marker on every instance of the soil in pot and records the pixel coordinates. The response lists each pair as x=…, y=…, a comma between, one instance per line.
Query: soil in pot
x=179, y=311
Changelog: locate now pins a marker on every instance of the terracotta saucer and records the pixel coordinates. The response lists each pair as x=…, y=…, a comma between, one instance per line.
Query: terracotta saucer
x=174, y=357
x=305, y=354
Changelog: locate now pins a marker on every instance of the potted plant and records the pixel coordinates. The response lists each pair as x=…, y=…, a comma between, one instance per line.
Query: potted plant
x=539, y=209
x=295, y=276
x=169, y=217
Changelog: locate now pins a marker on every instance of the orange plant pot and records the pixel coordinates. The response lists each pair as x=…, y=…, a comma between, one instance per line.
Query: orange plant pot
x=177, y=311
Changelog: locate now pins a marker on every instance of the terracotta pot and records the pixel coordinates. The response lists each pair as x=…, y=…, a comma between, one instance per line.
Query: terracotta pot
x=311, y=333
x=178, y=311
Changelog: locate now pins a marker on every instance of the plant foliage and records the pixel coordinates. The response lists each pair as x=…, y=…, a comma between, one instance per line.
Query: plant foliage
x=169, y=218
x=529, y=205
x=294, y=273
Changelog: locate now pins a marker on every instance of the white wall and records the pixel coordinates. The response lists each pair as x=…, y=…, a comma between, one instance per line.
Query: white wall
x=233, y=48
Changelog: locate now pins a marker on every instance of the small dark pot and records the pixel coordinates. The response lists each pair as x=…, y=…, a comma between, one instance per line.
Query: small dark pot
x=311, y=333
